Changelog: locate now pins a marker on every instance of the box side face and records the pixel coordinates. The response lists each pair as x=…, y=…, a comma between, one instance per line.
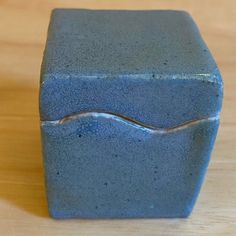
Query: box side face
x=108, y=167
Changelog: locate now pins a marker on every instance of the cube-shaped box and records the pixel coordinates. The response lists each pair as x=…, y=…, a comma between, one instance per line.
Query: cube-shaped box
x=129, y=105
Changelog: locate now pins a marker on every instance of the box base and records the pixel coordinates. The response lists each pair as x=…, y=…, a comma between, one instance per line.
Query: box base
x=101, y=166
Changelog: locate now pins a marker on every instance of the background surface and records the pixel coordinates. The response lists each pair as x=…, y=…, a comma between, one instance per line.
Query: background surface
x=23, y=207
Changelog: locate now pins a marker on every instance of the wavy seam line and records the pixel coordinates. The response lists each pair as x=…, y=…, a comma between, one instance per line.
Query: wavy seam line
x=128, y=121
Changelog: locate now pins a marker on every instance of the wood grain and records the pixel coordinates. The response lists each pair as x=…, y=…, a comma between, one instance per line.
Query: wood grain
x=23, y=207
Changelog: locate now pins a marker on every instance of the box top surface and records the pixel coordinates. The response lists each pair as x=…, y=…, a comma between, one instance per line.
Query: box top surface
x=100, y=42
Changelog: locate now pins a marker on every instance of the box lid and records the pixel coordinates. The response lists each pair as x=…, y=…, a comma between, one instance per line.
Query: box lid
x=149, y=66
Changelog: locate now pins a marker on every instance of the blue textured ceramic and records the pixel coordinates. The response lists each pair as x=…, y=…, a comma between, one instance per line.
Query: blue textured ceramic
x=129, y=106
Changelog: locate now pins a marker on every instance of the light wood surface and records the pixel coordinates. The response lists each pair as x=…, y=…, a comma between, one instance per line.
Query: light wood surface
x=23, y=207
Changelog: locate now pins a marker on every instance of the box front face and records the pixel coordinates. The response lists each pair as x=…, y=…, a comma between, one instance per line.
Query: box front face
x=104, y=166
x=127, y=147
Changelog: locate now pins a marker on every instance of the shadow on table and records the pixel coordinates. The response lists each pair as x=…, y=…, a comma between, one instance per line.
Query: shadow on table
x=21, y=169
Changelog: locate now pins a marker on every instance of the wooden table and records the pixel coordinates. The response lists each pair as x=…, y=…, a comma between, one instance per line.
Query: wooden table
x=23, y=207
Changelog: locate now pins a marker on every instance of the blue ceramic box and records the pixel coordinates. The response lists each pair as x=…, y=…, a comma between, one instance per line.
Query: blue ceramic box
x=129, y=106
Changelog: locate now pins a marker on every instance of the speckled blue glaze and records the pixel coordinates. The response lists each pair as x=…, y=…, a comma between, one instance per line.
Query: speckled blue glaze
x=129, y=106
